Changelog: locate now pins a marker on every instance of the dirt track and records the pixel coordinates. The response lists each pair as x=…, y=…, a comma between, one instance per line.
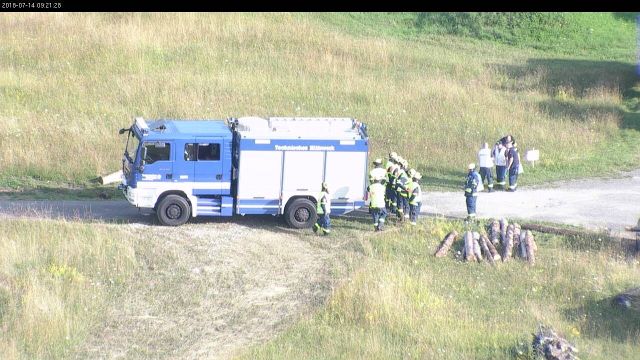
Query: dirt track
x=598, y=204
x=594, y=203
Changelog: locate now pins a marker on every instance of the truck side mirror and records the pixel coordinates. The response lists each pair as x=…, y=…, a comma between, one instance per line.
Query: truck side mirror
x=143, y=155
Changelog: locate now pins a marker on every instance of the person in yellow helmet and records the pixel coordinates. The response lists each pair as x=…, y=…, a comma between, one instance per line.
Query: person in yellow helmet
x=323, y=209
x=375, y=196
x=415, y=197
x=378, y=173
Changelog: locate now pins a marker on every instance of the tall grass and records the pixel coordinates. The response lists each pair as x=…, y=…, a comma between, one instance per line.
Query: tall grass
x=56, y=279
x=68, y=82
x=404, y=303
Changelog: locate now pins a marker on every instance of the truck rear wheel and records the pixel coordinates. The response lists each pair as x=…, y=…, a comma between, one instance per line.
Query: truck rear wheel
x=300, y=214
x=173, y=210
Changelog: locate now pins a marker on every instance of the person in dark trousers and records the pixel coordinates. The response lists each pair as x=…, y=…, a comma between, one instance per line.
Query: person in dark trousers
x=323, y=210
x=500, y=157
x=485, y=160
x=513, y=164
x=390, y=197
x=375, y=195
x=415, y=198
x=471, y=191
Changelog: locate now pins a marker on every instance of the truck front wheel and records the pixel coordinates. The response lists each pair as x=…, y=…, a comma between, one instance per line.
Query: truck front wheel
x=300, y=214
x=173, y=210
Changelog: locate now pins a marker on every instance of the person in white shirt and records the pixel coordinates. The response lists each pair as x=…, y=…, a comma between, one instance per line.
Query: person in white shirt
x=485, y=160
x=500, y=158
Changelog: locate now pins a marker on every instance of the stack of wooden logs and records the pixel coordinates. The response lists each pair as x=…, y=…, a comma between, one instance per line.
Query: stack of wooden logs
x=503, y=242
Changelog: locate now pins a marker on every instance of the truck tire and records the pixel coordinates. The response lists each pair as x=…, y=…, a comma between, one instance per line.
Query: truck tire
x=300, y=214
x=173, y=210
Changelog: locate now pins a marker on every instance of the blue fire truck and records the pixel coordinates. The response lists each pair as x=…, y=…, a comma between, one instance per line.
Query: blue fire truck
x=186, y=168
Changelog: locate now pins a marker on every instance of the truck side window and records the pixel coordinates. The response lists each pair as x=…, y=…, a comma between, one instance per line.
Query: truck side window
x=157, y=151
x=210, y=152
x=189, y=152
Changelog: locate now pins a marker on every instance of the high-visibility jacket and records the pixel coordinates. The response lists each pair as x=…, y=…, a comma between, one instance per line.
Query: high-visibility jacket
x=471, y=185
x=415, y=193
x=391, y=180
x=325, y=200
x=376, y=195
x=401, y=183
x=408, y=187
x=377, y=174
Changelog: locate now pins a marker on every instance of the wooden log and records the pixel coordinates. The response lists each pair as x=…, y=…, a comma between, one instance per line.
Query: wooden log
x=523, y=246
x=111, y=178
x=494, y=232
x=469, y=254
x=492, y=252
x=516, y=238
x=476, y=246
x=503, y=231
x=446, y=244
x=531, y=247
x=484, y=241
x=508, y=246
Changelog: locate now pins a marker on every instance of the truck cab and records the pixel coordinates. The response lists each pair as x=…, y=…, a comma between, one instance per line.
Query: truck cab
x=190, y=160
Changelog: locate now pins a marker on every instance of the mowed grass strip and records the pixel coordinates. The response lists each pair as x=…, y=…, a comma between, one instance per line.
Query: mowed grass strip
x=56, y=280
x=68, y=82
x=405, y=303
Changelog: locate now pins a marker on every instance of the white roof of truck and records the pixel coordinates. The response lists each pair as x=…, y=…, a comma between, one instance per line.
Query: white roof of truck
x=253, y=127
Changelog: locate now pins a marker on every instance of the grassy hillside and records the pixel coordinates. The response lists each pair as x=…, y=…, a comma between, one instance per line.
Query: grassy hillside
x=56, y=280
x=68, y=82
x=406, y=304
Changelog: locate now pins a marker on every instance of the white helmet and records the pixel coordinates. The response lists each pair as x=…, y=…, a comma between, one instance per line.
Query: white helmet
x=472, y=166
x=417, y=176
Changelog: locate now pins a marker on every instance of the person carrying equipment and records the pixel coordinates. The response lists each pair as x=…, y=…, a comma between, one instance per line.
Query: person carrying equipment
x=415, y=197
x=375, y=196
x=471, y=191
x=323, y=209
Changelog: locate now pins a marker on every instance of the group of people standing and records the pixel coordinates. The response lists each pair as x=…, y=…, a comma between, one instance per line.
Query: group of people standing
x=394, y=189
x=506, y=158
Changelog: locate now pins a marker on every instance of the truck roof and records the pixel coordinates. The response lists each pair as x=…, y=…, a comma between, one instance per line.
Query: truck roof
x=300, y=128
x=185, y=129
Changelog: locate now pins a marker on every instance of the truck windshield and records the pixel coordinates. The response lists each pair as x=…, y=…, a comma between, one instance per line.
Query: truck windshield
x=131, y=147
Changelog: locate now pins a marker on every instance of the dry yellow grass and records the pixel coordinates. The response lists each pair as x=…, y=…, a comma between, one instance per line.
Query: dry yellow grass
x=70, y=81
x=55, y=280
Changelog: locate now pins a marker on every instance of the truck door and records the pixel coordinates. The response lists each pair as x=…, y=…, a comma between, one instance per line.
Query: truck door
x=158, y=164
x=208, y=167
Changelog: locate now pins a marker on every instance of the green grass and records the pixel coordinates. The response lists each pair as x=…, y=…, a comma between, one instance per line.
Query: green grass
x=56, y=280
x=68, y=82
x=405, y=303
